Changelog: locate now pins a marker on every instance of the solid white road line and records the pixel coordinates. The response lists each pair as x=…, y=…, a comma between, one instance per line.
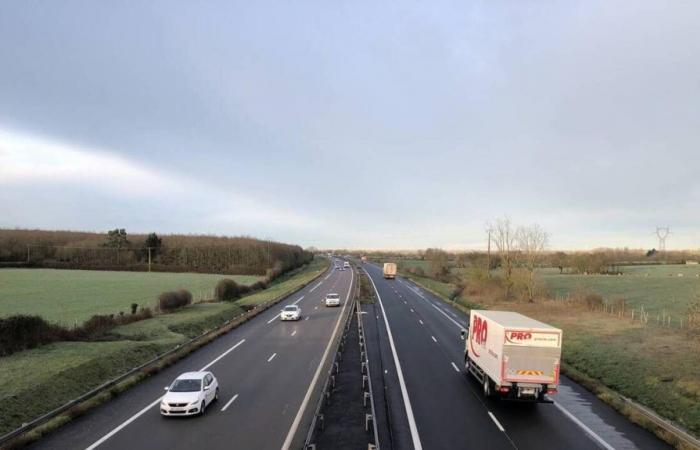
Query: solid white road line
x=222, y=355
x=298, y=300
x=229, y=402
x=294, y=332
x=404, y=393
x=314, y=288
x=271, y=357
x=151, y=405
x=498, y=424
x=438, y=309
x=583, y=426
x=454, y=366
x=297, y=420
x=433, y=337
x=273, y=319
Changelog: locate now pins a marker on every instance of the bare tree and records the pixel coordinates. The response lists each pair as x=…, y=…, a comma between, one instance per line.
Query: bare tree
x=532, y=241
x=503, y=237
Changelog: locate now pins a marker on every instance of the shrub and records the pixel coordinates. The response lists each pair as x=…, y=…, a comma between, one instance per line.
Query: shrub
x=172, y=300
x=593, y=301
x=23, y=332
x=259, y=285
x=134, y=307
x=227, y=289
x=96, y=325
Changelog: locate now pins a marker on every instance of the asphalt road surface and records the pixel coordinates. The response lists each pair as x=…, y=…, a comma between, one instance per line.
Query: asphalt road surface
x=416, y=359
x=265, y=368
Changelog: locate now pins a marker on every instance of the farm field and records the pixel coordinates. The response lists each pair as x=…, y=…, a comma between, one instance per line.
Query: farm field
x=654, y=287
x=70, y=297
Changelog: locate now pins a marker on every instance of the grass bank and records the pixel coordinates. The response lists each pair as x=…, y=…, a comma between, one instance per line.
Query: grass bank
x=56, y=373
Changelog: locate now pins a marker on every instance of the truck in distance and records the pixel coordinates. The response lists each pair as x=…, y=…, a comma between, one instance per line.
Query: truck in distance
x=390, y=271
x=513, y=356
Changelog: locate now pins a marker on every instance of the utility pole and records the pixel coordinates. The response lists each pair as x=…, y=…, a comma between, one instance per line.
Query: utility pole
x=488, y=256
x=27, y=253
x=149, y=259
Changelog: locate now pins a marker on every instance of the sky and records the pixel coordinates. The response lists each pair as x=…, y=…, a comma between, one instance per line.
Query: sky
x=393, y=125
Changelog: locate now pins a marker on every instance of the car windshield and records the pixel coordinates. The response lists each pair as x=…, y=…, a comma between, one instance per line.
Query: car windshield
x=290, y=308
x=332, y=296
x=186, y=386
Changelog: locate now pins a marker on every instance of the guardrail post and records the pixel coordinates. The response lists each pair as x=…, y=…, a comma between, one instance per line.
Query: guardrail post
x=364, y=399
x=364, y=380
x=368, y=419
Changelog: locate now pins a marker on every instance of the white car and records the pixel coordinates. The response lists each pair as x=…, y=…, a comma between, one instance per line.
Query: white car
x=291, y=312
x=190, y=394
x=346, y=265
x=332, y=300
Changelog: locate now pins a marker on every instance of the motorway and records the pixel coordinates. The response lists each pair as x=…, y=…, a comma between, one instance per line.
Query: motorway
x=416, y=358
x=265, y=369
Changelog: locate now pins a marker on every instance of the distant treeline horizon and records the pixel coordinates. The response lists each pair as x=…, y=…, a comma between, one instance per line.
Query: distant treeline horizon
x=119, y=250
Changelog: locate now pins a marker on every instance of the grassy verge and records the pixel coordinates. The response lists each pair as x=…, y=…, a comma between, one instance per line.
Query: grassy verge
x=54, y=374
x=653, y=366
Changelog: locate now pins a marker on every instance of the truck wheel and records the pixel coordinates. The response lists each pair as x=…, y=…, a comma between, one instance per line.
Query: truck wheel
x=487, y=387
x=466, y=364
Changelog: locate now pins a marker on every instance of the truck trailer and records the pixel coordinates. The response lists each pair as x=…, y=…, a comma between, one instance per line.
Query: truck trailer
x=513, y=356
x=390, y=270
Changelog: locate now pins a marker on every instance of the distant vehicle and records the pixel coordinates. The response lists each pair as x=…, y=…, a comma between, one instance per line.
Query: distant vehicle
x=291, y=312
x=364, y=259
x=390, y=270
x=337, y=267
x=346, y=265
x=332, y=300
x=513, y=356
x=190, y=394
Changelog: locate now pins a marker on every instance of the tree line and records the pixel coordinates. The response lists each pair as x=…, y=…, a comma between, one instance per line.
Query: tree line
x=118, y=250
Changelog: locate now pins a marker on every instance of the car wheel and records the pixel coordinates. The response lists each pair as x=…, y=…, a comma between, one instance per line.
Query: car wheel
x=216, y=394
x=202, y=408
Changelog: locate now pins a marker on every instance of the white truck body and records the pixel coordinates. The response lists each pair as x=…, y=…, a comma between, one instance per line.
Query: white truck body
x=520, y=356
x=389, y=270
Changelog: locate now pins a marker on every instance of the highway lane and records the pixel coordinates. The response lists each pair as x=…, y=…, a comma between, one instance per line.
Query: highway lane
x=265, y=368
x=450, y=410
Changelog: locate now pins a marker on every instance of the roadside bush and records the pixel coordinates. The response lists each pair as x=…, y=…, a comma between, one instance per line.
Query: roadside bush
x=23, y=332
x=593, y=301
x=227, y=289
x=172, y=300
x=259, y=285
x=96, y=325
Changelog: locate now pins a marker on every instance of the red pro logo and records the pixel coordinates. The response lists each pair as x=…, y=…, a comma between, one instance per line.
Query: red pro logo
x=478, y=334
x=518, y=337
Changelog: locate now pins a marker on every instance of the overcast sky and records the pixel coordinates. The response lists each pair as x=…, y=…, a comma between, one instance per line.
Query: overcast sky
x=350, y=124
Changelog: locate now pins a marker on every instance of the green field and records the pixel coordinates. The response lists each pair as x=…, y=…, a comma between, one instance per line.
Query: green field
x=654, y=287
x=70, y=297
x=55, y=373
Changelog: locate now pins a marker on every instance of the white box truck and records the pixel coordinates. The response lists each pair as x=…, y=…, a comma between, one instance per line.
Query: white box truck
x=390, y=270
x=512, y=356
